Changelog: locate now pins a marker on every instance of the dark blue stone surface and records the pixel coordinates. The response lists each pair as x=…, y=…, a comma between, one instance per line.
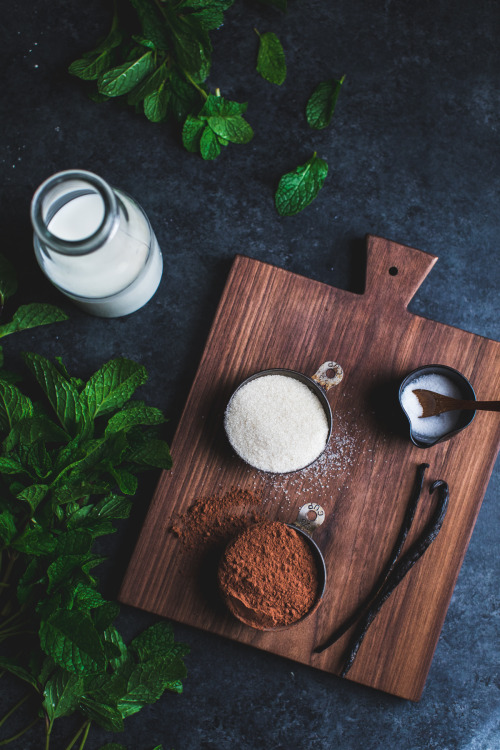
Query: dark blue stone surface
x=414, y=155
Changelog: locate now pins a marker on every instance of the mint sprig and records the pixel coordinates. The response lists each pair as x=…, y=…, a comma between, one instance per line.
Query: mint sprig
x=218, y=123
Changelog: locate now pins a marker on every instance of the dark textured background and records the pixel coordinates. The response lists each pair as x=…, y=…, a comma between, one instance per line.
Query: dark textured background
x=414, y=156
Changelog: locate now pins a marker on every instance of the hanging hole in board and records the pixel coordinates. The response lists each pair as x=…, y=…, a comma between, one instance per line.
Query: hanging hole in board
x=393, y=271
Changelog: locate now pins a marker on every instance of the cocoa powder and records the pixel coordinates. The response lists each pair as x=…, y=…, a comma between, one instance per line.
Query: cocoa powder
x=268, y=576
x=215, y=519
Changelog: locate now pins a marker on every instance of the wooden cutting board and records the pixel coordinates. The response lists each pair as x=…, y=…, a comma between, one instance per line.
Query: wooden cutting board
x=269, y=317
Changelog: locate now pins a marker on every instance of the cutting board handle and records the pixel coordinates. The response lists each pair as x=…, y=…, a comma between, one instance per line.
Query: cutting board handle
x=394, y=272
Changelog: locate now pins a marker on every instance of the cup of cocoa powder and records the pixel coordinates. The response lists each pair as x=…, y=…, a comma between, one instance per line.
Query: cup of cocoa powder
x=273, y=575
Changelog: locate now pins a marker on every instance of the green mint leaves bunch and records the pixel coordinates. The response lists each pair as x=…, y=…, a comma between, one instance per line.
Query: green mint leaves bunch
x=68, y=470
x=159, y=59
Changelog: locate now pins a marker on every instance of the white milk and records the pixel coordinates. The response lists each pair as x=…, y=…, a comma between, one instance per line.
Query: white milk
x=114, y=279
x=79, y=218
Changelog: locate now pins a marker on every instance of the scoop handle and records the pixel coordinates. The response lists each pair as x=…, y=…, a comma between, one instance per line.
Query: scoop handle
x=481, y=405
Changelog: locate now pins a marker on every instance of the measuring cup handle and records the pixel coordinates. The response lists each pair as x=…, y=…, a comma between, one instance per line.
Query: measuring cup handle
x=328, y=381
x=310, y=516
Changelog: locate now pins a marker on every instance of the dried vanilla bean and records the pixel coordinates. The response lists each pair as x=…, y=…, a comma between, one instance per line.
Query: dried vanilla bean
x=396, y=550
x=401, y=569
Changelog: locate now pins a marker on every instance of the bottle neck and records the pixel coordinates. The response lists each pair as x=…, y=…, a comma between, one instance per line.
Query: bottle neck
x=74, y=212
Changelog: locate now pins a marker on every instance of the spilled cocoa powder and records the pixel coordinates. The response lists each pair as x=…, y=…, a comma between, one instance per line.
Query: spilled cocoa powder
x=213, y=520
x=268, y=576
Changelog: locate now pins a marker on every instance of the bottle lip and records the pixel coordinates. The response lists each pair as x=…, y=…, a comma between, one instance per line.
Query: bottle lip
x=87, y=244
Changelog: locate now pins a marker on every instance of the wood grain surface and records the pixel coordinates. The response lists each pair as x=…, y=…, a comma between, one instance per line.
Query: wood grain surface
x=269, y=317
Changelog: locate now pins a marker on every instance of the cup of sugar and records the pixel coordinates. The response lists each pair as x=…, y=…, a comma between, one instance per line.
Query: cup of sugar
x=427, y=431
x=280, y=420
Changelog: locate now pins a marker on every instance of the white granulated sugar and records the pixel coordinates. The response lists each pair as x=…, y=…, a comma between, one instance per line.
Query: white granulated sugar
x=276, y=424
x=430, y=427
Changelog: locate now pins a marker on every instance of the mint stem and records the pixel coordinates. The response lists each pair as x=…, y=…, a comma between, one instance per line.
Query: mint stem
x=19, y=734
x=14, y=708
x=84, y=728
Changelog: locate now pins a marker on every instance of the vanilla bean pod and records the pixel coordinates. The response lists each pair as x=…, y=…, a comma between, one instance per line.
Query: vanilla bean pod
x=395, y=552
x=401, y=569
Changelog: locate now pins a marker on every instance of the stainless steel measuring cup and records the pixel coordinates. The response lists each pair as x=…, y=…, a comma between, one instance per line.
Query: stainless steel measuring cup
x=464, y=418
x=328, y=375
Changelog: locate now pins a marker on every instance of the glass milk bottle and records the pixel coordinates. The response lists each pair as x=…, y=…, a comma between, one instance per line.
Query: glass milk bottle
x=95, y=244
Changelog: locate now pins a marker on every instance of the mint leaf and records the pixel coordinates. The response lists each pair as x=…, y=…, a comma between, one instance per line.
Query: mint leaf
x=10, y=665
x=123, y=78
x=112, y=636
x=10, y=465
x=152, y=452
x=127, y=482
x=107, y=716
x=83, y=596
x=148, y=86
x=184, y=98
x=209, y=13
x=61, y=570
x=191, y=44
x=33, y=495
x=36, y=542
x=92, y=64
x=63, y=396
x=148, y=681
x=112, y=385
x=14, y=406
x=110, y=507
x=297, y=189
x=30, y=429
x=158, y=639
x=217, y=105
x=321, y=104
x=73, y=542
x=32, y=316
x=8, y=528
x=152, y=24
x=209, y=145
x=62, y=694
x=71, y=639
x=135, y=415
x=231, y=127
x=156, y=100
x=271, y=63
x=191, y=133
x=8, y=280
x=104, y=616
